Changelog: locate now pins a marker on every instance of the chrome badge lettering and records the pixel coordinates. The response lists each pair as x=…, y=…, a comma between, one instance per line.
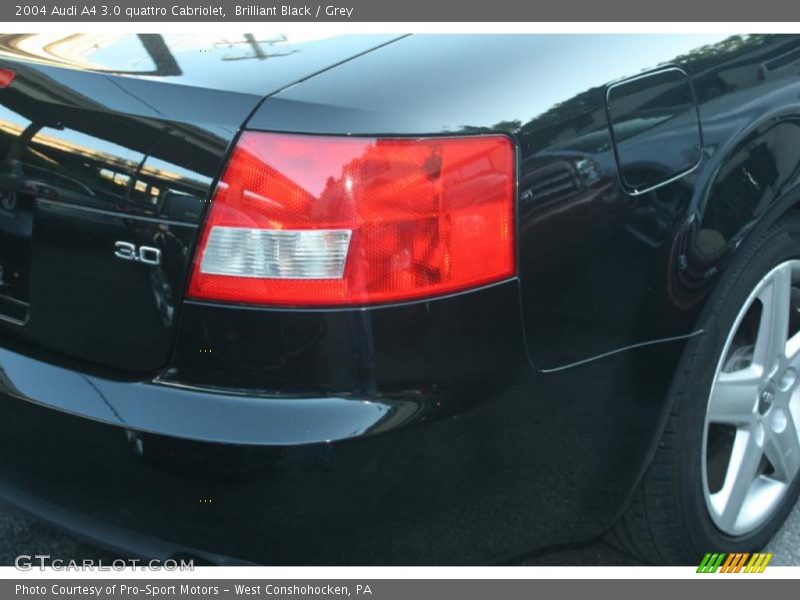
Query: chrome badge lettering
x=143, y=254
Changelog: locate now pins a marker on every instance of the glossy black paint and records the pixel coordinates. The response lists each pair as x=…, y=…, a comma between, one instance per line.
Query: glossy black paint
x=655, y=128
x=251, y=64
x=458, y=430
x=522, y=461
x=94, y=155
x=84, y=169
x=600, y=268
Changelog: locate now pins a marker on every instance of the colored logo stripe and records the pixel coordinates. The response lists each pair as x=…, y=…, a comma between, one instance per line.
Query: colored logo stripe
x=710, y=563
x=758, y=563
x=734, y=563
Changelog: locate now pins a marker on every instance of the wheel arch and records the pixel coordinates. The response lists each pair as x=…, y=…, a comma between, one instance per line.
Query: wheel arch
x=764, y=156
x=747, y=228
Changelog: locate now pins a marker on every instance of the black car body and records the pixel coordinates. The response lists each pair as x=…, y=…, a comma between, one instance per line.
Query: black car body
x=468, y=427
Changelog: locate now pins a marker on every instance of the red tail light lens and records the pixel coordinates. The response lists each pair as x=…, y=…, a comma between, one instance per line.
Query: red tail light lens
x=314, y=220
x=6, y=77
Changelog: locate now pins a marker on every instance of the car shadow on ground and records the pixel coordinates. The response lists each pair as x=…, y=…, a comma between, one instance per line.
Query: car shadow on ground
x=21, y=534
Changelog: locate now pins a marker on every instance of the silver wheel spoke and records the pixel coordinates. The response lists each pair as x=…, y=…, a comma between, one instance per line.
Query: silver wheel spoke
x=793, y=350
x=773, y=329
x=733, y=399
x=742, y=471
x=783, y=451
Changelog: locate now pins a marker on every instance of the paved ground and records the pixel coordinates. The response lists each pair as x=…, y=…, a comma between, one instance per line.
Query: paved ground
x=20, y=534
x=785, y=546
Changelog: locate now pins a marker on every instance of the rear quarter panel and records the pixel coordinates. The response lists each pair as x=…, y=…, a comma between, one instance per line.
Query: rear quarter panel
x=600, y=269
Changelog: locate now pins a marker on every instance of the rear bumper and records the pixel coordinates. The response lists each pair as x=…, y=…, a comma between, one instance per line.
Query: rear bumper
x=461, y=453
x=284, y=378
x=179, y=411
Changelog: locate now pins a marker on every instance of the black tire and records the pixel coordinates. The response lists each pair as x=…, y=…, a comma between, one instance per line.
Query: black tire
x=667, y=521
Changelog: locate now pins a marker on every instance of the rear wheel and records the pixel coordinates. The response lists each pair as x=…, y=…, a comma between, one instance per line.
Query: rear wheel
x=725, y=474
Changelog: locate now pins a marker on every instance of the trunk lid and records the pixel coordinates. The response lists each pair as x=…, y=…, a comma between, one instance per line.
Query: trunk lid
x=105, y=174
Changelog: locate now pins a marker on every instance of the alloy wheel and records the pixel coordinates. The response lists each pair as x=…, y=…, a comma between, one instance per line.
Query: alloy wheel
x=751, y=437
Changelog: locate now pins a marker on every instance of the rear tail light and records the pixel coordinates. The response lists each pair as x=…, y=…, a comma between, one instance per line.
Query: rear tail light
x=6, y=77
x=304, y=220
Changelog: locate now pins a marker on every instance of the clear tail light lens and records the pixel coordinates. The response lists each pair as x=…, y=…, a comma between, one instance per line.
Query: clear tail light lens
x=301, y=220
